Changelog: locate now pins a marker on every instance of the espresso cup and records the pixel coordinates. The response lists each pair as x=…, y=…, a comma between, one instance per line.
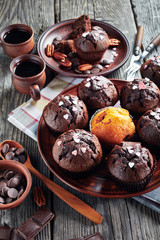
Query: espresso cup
x=17, y=39
x=28, y=74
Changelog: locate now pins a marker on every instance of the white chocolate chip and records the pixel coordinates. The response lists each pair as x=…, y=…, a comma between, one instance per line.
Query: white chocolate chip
x=130, y=151
x=66, y=97
x=61, y=103
x=131, y=164
x=59, y=143
x=87, y=84
x=134, y=87
x=85, y=34
x=74, y=152
x=157, y=117
x=75, y=101
x=152, y=113
x=138, y=154
x=76, y=139
x=74, y=108
x=83, y=149
x=65, y=116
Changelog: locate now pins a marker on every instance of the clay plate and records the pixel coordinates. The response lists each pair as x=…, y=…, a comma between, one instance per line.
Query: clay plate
x=63, y=29
x=97, y=184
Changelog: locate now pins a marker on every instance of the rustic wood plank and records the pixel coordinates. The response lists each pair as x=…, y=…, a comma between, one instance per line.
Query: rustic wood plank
x=34, y=14
x=147, y=13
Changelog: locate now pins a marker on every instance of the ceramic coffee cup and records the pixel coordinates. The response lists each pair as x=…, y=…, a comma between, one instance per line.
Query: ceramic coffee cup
x=28, y=74
x=17, y=39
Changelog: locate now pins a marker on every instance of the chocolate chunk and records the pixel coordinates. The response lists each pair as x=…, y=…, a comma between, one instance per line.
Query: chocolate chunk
x=9, y=156
x=20, y=193
x=2, y=184
x=2, y=200
x=14, y=182
x=8, y=200
x=12, y=149
x=95, y=70
x=5, y=148
x=22, y=159
x=12, y=193
x=5, y=232
x=9, y=175
x=20, y=151
x=4, y=191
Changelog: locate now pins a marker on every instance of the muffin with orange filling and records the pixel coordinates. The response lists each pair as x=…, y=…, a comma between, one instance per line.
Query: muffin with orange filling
x=112, y=125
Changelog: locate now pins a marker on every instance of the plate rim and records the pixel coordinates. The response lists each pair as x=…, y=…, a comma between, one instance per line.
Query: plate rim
x=70, y=74
x=82, y=190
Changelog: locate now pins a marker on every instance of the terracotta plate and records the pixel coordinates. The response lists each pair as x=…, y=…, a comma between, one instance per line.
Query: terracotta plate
x=98, y=183
x=63, y=29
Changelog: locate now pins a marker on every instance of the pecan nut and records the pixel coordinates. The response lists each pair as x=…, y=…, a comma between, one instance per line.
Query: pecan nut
x=59, y=56
x=49, y=50
x=38, y=196
x=85, y=67
x=66, y=63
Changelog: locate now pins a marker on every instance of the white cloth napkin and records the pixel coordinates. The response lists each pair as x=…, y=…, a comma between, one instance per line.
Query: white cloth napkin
x=26, y=117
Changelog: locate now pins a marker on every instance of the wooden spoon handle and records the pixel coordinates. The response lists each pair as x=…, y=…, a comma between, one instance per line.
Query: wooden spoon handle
x=68, y=197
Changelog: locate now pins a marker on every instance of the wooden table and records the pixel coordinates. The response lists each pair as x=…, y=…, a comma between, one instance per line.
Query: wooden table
x=122, y=218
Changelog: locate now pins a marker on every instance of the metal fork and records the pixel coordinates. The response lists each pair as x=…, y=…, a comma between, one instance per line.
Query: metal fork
x=131, y=70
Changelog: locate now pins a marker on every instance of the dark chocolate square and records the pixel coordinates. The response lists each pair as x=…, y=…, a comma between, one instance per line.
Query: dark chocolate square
x=95, y=236
x=5, y=232
x=28, y=229
x=42, y=216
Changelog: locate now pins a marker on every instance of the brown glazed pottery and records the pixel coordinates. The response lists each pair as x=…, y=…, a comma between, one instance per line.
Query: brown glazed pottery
x=98, y=183
x=29, y=85
x=64, y=29
x=15, y=49
x=17, y=167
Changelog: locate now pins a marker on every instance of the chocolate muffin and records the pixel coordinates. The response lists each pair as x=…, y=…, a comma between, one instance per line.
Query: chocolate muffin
x=77, y=151
x=148, y=127
x=140, y=95
x=151, y=69
x=97, y=92
x=81, y=25
x=131, y=165
x=65, y=112
x=92, y=45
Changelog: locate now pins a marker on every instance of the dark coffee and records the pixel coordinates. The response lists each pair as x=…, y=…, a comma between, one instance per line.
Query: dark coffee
x=16, y=36
x=28, y=69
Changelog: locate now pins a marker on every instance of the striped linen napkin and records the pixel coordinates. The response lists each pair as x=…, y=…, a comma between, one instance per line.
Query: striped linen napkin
x=26, y=117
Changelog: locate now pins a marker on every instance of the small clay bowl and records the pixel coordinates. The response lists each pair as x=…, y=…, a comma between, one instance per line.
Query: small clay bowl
x=13, y=49
x=20, y=168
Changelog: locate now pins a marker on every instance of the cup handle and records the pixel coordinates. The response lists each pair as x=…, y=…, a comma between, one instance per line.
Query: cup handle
x=35, y=92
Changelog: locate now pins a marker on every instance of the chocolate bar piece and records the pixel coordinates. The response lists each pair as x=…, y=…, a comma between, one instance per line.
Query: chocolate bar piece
x=32, y=226
x=95, y=236
x=5, y=232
